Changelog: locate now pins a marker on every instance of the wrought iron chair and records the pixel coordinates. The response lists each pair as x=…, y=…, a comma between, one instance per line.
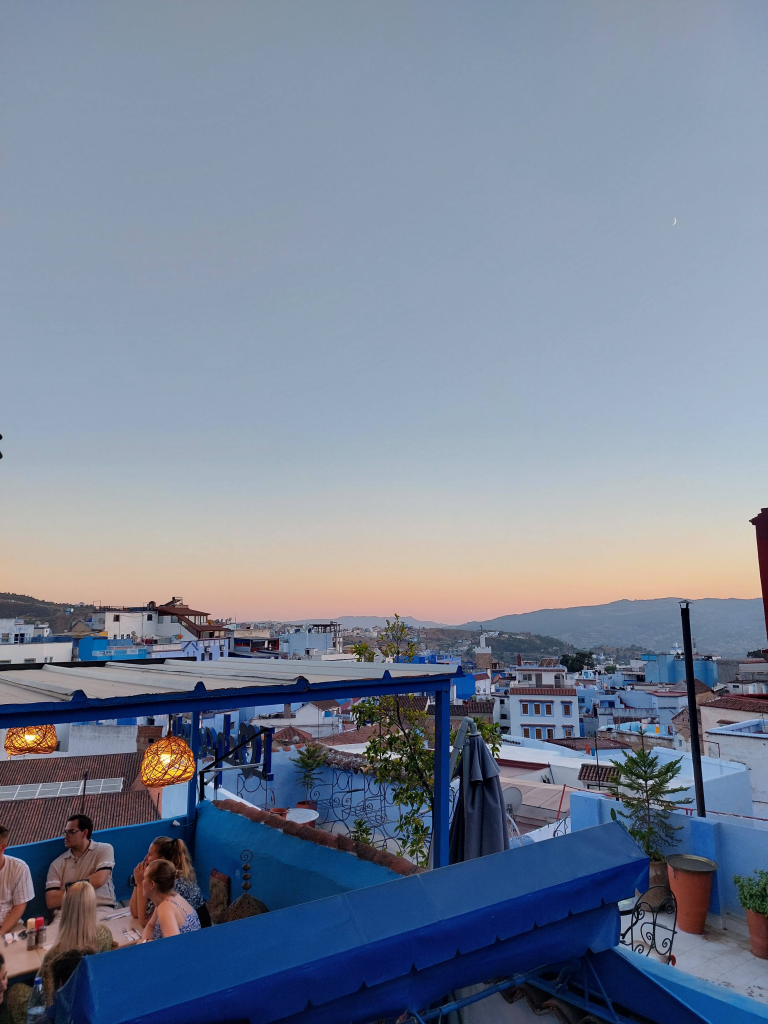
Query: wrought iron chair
x=652, y=923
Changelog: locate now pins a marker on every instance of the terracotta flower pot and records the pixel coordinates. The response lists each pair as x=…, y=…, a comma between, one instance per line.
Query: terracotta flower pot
x=311, y=805
x=690, y=879
x=758, y=933
x=280, y=811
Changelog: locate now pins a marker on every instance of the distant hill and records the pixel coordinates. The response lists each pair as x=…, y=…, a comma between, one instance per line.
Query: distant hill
x=21, y=606
x=729, y=626
x=366, y=621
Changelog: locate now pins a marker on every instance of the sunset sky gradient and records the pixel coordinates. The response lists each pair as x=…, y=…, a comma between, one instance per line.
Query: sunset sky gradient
x=353, y=308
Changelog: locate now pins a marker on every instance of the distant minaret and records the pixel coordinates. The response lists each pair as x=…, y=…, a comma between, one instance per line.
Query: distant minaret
x=760, y=524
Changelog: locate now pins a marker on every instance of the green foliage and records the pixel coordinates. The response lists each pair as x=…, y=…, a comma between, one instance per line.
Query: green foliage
x=578, y=661
x=396, y=641
x=610, y=669
x=644, y=786
x=363, y=651
x=490, y=731
x=399, y=757
x=308, y=763
x=753, y=891
x=361, y=831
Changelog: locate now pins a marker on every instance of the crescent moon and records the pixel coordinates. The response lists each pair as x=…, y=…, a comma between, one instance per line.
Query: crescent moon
x=674, y=222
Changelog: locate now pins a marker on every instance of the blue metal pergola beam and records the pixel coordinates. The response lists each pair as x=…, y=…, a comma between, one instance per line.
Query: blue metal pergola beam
x=81, y=708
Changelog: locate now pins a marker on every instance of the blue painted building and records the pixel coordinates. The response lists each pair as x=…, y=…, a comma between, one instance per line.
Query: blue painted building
x=666, y=669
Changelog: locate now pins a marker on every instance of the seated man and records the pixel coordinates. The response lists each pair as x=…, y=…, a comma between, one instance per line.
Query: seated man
x=84, y=860
x=16, y=889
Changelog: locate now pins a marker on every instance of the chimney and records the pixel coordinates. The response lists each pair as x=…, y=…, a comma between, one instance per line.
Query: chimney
x=146, y=735
x=760, y=524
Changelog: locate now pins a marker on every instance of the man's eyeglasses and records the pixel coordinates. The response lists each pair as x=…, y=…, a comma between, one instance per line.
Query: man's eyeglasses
x=71, y=831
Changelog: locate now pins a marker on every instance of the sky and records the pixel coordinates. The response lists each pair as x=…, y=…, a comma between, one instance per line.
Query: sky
x=360, y=308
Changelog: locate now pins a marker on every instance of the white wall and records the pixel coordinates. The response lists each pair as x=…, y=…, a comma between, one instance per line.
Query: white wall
x=552, y=726
x=751, y=751
x=20, y=654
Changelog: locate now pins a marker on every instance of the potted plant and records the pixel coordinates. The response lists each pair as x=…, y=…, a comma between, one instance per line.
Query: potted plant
x=644, y=787
x=753, y=896
x=308, y=763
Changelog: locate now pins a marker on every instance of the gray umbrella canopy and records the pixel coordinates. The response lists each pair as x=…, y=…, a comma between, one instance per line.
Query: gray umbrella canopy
x=479, y=825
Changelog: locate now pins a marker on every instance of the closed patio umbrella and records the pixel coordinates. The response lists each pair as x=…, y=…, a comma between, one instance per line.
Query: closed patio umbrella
x=479, y=825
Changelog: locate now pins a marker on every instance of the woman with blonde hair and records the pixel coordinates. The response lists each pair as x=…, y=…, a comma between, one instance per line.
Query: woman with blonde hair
x=172, y=914
x=175, y=851
x=78, y=929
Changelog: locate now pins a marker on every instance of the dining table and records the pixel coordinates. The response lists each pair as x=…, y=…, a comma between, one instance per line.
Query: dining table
x=126, y=931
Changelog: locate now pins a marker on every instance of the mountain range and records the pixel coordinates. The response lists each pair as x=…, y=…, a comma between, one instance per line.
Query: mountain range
x=726, y=626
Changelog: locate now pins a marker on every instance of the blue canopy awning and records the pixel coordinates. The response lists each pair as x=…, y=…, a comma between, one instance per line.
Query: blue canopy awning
x=375, y=951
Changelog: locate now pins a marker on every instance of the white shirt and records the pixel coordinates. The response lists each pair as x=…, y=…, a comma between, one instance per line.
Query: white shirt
x=15, y=885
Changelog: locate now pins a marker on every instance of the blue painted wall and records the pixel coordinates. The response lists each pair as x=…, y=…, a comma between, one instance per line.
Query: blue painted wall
x=737, y=848
x=666, y=668
x=130, y=845
x=286, y=871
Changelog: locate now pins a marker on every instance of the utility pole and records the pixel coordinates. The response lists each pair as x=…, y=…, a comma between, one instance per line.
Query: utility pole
x=693, y=716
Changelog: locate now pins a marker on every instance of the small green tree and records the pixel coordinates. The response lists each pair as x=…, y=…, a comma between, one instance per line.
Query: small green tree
x=644, y=786
x=363, y=651
x=579, y=661
x=399, y=757
x=610, y=669
x=309, y=762
x=361, y=831
x=396, y=641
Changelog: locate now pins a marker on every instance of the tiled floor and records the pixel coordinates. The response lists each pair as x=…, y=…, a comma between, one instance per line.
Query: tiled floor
x=724, y=958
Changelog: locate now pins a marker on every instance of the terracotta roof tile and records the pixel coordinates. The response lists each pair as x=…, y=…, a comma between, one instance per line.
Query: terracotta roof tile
x=31, y=821
x=755, y=702
x=602, y=774
x=541, y=691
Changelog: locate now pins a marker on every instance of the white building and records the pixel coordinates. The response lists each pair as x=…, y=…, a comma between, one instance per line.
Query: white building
x=546, y=672
x=21, y=643
x=747, y=743
x=314, y=640
x=169, y=622
x=539, y=712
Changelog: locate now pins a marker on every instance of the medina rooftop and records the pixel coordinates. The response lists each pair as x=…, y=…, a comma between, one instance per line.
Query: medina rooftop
x=313, y=924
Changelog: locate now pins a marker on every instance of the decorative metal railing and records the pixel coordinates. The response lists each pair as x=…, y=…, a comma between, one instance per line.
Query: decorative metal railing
x=343, y=798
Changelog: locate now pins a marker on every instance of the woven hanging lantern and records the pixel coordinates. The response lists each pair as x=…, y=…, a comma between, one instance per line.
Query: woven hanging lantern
x=167, y=762
x=31, y=739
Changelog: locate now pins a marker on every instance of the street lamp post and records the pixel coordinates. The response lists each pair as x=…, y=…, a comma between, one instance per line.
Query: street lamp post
x=693, y=717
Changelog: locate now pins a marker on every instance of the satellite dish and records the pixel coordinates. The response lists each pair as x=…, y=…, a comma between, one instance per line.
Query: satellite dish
x=513, y=799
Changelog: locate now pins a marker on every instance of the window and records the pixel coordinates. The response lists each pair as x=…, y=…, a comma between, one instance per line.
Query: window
x=568, y=731
x=30, y=661
x=550, y=734
x=504, y=716
x=567, y=708
x=524, y=708
x=538, y=734
x=539, y=677
x=527, y=677
x=526, y=730
x=115, y=618
x=547, y=709
x=558, y=679
x=149, y=618
x=537, y=709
